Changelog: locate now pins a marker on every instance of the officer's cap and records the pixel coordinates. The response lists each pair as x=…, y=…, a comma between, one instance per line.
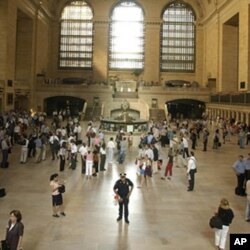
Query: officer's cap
x=122, y=174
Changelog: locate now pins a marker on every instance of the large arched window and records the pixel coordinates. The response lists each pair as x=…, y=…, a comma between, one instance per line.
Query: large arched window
x=178, y=38
x=76, y=36
x=126, y=36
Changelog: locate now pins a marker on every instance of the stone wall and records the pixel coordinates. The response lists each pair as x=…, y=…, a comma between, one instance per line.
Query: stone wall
x=23, y=62
x=218, y=49
x=102, y=11
x=3, y=38
x=40, y=45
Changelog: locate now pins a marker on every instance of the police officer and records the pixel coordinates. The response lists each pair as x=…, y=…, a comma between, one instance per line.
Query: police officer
x=123, y=189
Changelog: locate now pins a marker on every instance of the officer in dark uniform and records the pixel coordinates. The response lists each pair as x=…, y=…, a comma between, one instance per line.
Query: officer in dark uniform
x=123, y=189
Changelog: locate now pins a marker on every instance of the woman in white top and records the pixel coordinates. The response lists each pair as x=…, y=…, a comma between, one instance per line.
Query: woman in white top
x=89, y=164
x=57, y=199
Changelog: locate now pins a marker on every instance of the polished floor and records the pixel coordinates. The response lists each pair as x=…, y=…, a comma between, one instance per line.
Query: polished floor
x=162, y=216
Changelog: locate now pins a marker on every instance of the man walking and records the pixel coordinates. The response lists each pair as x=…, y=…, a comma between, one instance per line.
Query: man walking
x=123, y=189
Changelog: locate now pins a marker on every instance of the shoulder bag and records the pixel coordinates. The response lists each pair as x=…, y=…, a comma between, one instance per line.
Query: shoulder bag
x=216, y=222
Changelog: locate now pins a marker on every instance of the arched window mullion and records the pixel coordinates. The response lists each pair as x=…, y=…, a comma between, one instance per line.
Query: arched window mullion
x=76, y=36
x=178, y=38
x=126, y=46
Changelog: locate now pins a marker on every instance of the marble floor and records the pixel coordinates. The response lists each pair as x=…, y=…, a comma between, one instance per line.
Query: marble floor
x=162, y=216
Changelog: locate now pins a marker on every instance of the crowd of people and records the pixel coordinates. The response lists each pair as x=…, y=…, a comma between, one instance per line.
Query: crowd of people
x=63, y=138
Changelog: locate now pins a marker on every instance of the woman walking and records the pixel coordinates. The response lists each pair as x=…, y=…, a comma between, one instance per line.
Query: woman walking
x=57, y=199
x=226, y=214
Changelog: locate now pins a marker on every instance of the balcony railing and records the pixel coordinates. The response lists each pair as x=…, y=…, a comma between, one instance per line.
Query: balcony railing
x=231, y=98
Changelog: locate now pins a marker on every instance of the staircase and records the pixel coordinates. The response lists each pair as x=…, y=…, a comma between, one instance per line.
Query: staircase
x=156, y=114
x=93, y=113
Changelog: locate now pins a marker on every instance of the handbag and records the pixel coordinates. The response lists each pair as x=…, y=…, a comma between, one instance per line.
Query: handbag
x=61, y=189
x=5, y=245
x=216, y=222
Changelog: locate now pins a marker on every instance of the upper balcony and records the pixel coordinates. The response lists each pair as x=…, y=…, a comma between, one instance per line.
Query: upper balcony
x=237, y=98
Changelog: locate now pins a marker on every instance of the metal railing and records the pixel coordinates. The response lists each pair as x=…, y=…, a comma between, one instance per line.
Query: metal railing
x=231, y=98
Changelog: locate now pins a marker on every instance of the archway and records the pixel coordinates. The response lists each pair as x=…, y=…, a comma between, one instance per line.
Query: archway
x=73, y=104
x=186, y=108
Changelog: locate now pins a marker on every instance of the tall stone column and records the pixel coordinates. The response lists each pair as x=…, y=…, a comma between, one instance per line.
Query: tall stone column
x=100, y=57
x=244, y=73
x=247, y=118
x=237, y=116
x=152, y=51
x=242, y=117
x=3, y=39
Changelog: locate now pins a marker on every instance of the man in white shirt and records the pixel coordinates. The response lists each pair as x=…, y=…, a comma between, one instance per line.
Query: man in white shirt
x=110, y=147
x=149, y=152
x=54, y=145
x=24, y=149
x=73, y=154
x=185, y=145
x=63, y=132
x=17, y=131
x=191, y=170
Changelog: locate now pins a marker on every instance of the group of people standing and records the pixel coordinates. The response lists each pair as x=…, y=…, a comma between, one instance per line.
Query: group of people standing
x=66, y=144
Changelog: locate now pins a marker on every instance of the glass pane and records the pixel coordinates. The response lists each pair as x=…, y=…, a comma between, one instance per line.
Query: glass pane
x=76, y=41
x=127, y=37
x=178, y=38
x=78, y=10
